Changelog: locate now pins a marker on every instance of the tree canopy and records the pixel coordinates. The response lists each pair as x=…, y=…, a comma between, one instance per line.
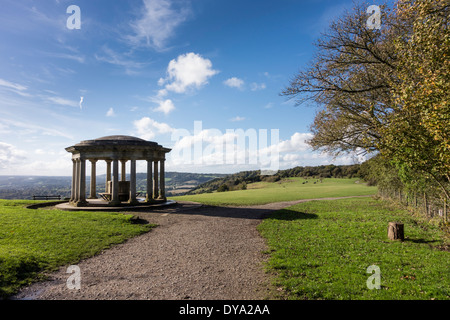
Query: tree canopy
x=384, y=90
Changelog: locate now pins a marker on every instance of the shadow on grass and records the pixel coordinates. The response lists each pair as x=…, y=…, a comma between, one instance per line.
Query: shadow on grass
x=242, y=212
x=422, y=240
x=290, y=215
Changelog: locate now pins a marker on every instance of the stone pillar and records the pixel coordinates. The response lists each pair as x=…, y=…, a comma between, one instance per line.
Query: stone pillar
x=77, y=181
x=123, y=176
x=162, y=191
x=108, y=176
x=74, y=178
x=132, y=199
x=93, y=191
x=115, y=184
x=149, y=196
x=155, y=179
x=81, y=201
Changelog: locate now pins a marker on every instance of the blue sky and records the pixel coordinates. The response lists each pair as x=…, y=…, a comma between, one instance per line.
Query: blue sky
x=152, y=68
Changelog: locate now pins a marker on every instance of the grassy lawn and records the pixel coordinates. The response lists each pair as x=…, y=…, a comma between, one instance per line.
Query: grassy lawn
x=36, y=240
x=283, y=190
x=322, y=249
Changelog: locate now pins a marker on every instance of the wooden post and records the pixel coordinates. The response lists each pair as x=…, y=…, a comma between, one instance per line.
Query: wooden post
x=426, y=203
x=445, y=209
x=396, y=231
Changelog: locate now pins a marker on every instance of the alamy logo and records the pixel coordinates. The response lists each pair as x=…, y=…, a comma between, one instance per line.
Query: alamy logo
x=374, y=21
x=74, y=281
x=374, y=281
x=74, y=21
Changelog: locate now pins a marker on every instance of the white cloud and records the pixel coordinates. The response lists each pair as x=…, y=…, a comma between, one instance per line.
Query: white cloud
x=237, y=118
x=148, y=128
x=10, y=155
x=110, y=113
x=234, y=82
x=157, y=24
x=81, y=101
x=189, y=70
x=297, y=142
x=165, y=106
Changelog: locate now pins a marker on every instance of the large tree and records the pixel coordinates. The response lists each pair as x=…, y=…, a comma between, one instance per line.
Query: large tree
x=384, y=90
x=418, y=134
x=349, y=79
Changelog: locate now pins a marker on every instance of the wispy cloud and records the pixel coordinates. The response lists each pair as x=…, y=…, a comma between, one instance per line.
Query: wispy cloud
x=34, y=128
x=157, y=24
x=115, y=58
x=14, y=87
x=62, y=101
x=237, y=118
x=257, y=86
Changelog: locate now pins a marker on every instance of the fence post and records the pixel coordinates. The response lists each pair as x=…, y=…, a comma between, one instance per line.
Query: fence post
x=445, y=209
x=425, y=203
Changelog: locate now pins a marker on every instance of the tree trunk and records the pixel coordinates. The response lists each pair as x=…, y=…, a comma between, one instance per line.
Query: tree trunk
x=396, y=231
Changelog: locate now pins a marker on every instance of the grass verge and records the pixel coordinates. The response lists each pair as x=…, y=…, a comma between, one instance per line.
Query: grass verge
x=322, y=249
x=32, y=241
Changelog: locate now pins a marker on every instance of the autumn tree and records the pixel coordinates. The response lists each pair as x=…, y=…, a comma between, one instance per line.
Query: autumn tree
x=384, y=90
x=418, y=134
x=349, y=79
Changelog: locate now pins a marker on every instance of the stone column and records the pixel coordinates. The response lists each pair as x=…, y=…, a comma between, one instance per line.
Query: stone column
x=155, y=180
x=82, y=183
x=77, y=182
x=115, y=184
x=162, y=191
x=132, y=199
x=123, y=176
x=149, y=196
x=93, y=191
x=74, y=177
x=108, y=176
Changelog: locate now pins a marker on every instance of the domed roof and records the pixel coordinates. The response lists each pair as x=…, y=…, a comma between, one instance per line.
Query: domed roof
x=117, y=140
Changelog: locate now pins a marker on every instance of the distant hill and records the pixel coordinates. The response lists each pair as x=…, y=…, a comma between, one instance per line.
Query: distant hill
x=177, y=183
x=239, y=181
x=24, y=187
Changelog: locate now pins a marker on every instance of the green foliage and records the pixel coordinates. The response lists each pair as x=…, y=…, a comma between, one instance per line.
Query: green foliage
x=35, y=240
x=223, y=188
x=321, y=250
x=418, y=136
x=386, y=90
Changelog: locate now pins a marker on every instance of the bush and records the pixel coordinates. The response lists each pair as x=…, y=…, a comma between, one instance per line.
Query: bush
x=223, y=188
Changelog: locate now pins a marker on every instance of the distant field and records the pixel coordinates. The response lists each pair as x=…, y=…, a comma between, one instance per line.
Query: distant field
x=283, y=190
x=36, y=240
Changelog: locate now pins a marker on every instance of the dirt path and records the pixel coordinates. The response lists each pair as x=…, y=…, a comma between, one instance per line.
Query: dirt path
x=196, y=252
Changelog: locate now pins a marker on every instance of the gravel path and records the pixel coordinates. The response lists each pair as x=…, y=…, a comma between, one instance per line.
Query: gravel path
x=196, y=252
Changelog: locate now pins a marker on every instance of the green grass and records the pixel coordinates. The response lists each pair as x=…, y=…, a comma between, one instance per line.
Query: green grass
x=283, y=190
x=32, y=241
x=321, y=250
